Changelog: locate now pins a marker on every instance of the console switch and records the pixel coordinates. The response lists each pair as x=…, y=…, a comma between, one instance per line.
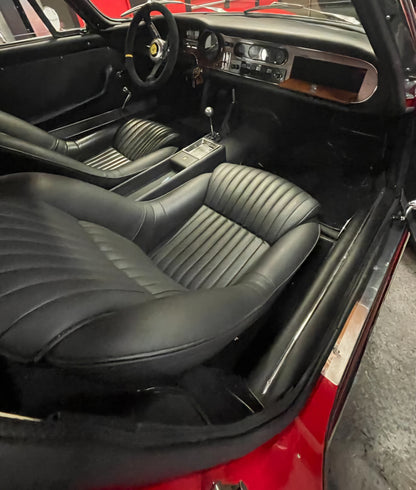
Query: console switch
x=244, y=70
x=184, y=159
x=259, y=71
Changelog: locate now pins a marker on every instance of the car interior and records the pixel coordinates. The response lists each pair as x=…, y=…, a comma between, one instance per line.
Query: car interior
x=189, y=205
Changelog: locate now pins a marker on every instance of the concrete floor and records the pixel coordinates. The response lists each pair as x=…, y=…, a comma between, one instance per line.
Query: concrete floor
x=374, y=445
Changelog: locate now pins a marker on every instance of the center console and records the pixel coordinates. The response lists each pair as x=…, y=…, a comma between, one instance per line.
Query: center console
x=199, y=157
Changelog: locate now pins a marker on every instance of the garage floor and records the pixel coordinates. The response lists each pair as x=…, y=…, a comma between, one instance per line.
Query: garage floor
x=374, y=446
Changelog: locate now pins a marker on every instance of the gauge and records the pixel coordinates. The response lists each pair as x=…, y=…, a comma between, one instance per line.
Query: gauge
x=268, y=55
x=209, y=45
x=254, y=51
x=264, y=54
x=240, y=49
x=279, y=56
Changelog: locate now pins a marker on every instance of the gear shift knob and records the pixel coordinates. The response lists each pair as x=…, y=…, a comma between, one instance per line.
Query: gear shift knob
x=209, y=112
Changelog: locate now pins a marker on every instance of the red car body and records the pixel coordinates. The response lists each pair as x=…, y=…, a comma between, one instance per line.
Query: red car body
x=295, y=458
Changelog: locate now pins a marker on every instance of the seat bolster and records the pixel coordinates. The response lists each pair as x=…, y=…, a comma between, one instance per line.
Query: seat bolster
x=86, y=147
x=215, y=316
x=83, y=201
x=48, y=159
x=25, y=131
x=168, y=213
x=278, y=264
x=22, y=156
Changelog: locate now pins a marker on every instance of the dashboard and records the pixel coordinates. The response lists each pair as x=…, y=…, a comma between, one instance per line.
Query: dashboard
x=322, y=74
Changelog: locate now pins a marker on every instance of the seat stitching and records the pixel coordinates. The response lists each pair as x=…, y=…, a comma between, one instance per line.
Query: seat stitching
x=65, y=297
x=217, y=224
x=249, y=259
x=46, y=234
x=231, y=263
x=230, y=176
x=291, y=213
x=237, y=230
x=267, y=193
x=163, y=247
x=114, y=261
x=48, y=267
x=249, y=194
x=282, y=208
x=202, y=280
x=20, y=288
x=182, y=239
x=228, y=224
x=277, y=202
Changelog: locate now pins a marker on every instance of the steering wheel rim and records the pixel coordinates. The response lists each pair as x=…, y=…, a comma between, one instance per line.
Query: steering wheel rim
x=161, y=51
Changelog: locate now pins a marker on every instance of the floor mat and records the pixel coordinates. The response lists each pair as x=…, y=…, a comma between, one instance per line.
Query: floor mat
x=335, y=176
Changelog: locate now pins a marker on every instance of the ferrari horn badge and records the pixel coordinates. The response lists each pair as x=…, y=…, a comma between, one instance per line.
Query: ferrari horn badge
x=154, y=49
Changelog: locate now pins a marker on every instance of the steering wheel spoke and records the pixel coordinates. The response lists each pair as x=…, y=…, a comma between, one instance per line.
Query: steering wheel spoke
x=153, y=30
x=152, y=75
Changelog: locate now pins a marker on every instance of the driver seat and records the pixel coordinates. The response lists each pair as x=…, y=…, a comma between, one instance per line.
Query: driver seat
x=105, y=158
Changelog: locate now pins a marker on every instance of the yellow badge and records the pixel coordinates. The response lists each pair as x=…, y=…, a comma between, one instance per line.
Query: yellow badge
x=154, y=49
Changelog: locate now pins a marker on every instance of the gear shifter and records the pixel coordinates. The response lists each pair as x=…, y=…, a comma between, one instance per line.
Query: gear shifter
x=209, y=112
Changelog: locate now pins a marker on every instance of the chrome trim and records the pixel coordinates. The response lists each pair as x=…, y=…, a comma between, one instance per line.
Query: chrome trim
x=410, y=14
x=411, y=206
x=315, y=306
x=351, y=333
x=303, y=325
x=366, y=301
x=138, y=7
x=329, y=15
x=208, y=6
x=14, y=416
x=161, y=50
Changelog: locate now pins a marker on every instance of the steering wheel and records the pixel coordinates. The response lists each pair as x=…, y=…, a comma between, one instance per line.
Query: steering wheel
x=162, y=52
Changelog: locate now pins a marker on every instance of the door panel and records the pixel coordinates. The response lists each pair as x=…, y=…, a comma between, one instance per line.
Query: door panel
x=59, y=81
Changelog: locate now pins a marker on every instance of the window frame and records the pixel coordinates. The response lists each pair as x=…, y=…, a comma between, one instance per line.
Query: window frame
x=52, y=32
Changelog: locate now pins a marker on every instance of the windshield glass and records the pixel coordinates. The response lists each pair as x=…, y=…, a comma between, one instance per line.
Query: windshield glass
x=330, y=10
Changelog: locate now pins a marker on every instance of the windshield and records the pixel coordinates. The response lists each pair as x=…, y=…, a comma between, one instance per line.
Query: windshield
x=341, y=11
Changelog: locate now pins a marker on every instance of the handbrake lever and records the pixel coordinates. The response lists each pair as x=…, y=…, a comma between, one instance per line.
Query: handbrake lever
x=225, y=127
x=128, y=97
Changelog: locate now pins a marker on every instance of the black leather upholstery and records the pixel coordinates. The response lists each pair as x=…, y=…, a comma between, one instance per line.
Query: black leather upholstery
x=92, y=281
x=105, y=157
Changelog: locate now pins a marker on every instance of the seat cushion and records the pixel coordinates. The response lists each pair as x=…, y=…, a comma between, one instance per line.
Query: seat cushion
x=209, y=251
x=109, y=159
x=94, y=282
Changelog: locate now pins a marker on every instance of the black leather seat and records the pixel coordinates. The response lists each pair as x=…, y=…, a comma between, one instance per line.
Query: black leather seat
x=105, y=157
x=94, y=282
